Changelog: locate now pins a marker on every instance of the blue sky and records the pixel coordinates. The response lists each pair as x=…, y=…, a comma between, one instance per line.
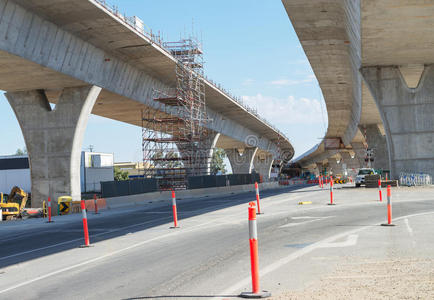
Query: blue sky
x=250, y=48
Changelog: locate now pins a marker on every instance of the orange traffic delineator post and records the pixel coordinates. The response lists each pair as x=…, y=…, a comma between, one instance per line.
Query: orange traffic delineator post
x=85, y=228
x=331, y=191
x=175, y=214
x=257, y=198
x=95, y=204
x=49, y=211
x=254, y=262
x=389, y=208
x=379, y=190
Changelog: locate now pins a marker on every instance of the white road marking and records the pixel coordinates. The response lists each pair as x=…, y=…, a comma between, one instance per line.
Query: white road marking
x=75, y=240
x=409, y=229
x=93, y=235
x=232, y=289
x=297, y=254
x=305, y=222
x=350, y=241
x=200, y=226
x=296, y=224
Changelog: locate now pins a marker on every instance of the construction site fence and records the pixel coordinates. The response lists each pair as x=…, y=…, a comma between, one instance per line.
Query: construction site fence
x=147, y=185
x=414, y=179
x=208, y=181
x=128, y=187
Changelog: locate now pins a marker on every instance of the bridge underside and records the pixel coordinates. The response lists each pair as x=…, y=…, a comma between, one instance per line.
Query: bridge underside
x=393, y=40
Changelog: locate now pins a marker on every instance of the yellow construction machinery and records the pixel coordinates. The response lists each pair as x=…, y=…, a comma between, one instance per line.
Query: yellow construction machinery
x=13, y=205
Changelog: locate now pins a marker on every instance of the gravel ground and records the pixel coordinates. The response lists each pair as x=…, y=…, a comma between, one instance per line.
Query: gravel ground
x=373, y=279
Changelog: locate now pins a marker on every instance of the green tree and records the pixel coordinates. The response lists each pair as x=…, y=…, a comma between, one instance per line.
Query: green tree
x=21, y=151
x=217, y=162
x=119, y=174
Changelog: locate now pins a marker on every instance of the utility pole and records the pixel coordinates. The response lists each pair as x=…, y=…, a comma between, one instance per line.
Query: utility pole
x=369, y=157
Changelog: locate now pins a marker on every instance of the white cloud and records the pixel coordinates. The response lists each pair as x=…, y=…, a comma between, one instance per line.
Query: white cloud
x=286, y=111
x=286, y=82
x=248, y=81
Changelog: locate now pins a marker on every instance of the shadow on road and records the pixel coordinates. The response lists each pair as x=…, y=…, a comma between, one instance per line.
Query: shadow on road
x=33, y=243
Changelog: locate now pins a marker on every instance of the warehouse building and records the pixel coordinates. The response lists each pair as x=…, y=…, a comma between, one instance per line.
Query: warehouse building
x=94, y=168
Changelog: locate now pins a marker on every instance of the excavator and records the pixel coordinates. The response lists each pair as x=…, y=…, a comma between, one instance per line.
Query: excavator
x=14, y=205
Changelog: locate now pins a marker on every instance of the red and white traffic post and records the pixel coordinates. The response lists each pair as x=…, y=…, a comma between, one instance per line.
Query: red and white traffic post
x=85, y=229
x=331, y=191
x=254, y=263
x=379, y=190
x=257, y=198
x=95, y=202
x=389, y=208
x=175, y=214
x=49, y=210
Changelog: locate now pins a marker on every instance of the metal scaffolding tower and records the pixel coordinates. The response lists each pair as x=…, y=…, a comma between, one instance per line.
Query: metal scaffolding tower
x=175, y=139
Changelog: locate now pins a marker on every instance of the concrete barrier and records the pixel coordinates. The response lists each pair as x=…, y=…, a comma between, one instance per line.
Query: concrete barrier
x=165, y=196
x=293, y=182
x=100, y=202
x=89, y=204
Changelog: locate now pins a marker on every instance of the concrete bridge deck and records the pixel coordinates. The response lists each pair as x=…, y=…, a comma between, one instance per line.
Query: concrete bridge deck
x=87, y=58
x=346, y=41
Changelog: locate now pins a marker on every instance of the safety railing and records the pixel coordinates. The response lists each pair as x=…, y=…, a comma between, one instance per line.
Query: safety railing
x=414, y=179
x=138, y=26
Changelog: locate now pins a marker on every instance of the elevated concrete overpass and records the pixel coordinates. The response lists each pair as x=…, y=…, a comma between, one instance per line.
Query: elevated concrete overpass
x=88, y=58
x=387, y=44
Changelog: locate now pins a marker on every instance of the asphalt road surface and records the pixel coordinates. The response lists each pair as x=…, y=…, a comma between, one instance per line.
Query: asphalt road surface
x=136, y=255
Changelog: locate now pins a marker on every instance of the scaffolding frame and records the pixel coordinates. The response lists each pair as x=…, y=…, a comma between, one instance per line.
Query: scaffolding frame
x=175, y=137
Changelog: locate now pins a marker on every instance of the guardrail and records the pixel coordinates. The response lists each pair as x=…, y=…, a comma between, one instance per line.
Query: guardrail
x=414, y=179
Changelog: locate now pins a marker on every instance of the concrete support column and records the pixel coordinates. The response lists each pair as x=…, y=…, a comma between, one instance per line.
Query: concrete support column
x=54, y=138
x=320, y=168
x=407, y=115
x=241, y=161
x=204, y=154
x=360, y=153
x=378, y=143
x=262, y=164
x=334, y=167
x=352, y=164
